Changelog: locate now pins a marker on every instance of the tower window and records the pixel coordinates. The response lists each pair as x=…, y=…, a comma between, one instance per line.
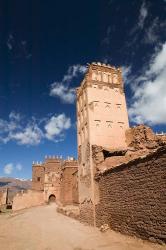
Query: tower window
x=119, y=105
x=97, y=123
x=38, y=178
x=107, y=104
x=109, y=124
x=96, y=103
x=121, y=125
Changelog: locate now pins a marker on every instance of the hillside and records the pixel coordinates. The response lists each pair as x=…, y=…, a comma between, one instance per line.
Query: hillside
x=14, y=185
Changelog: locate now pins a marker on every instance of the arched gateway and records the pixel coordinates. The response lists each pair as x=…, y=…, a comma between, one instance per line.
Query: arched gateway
x=52, y=198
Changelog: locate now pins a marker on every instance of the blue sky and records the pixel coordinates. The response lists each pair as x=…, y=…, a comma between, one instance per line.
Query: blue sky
x=44, y=49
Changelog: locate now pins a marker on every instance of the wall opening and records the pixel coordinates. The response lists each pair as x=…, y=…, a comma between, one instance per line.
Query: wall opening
x=52, y=198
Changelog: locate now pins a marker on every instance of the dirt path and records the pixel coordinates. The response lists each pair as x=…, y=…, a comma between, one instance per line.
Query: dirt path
x=42, y=228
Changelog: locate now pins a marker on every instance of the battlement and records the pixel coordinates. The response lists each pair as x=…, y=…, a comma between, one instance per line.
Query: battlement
x=100, y=75
x=70, y=163
x=53, y=158
x=103, y=66
x=37, y=163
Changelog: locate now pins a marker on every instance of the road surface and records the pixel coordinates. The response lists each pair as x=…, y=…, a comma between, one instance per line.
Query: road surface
x=42, y=228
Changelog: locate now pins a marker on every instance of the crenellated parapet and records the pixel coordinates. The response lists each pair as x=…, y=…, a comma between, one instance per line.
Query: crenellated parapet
x=102, y=75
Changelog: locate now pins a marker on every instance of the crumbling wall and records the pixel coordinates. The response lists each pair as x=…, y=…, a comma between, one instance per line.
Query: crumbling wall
x=27, y=199
x=75, y=193
x=3, y=196
x=142, y=137
x=133, y=198
x=87, y=212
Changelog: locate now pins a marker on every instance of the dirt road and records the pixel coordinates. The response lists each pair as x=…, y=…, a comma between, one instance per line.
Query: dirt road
x=42, y=228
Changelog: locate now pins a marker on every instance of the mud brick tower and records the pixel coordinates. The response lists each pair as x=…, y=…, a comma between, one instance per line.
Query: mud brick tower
x=102, y=120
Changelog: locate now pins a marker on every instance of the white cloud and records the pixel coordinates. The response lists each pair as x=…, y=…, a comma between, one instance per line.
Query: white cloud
x=106, y=40
x=149, y=102
x=62, y=89
x=74, y=71
x=126, y=71
x=18, y=166
x=31, y=135
x=8, y=168
x=10, y=42
x=33, y=131
x=142, y=15
x=66, y=94
x=15, y=116
x=56, y=125
x=153, y=32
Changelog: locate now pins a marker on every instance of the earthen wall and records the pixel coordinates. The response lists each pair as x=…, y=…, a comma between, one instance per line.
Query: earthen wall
x=3, y=197
x=133, y=198
x=27, y=199
x=67, y=188
x=38, y=177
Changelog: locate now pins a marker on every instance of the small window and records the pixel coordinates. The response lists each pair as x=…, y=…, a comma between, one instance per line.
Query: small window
x=118, y=106
x=96, y=103
x=107, y=104
x=94, y=86
x=38, y=178
x=109, y=124
x=121, y=125
x=97, y=123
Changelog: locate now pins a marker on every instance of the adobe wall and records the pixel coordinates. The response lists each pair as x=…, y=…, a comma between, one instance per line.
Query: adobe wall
x=133, y=198
x=27, y=199
x=75, y=193
x=52, y=164
x=38, y=177
x=52, y=185
x=67, y=183
x=3, y=196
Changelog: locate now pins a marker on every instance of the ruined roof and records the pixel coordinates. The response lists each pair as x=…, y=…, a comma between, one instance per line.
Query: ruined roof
x=122, y=164
x=141, y=142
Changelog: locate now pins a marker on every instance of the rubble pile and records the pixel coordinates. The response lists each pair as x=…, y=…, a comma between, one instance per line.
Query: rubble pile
x=140, y=142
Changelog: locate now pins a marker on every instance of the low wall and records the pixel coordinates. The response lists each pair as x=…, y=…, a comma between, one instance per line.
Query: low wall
x=133, y=197
x=3, y=196
x=27, y=199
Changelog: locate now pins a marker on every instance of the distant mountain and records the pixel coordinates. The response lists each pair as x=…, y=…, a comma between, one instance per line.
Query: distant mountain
x=14, y=185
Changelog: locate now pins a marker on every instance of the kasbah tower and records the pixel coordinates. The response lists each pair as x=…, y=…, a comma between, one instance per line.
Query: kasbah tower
x=102, y=120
